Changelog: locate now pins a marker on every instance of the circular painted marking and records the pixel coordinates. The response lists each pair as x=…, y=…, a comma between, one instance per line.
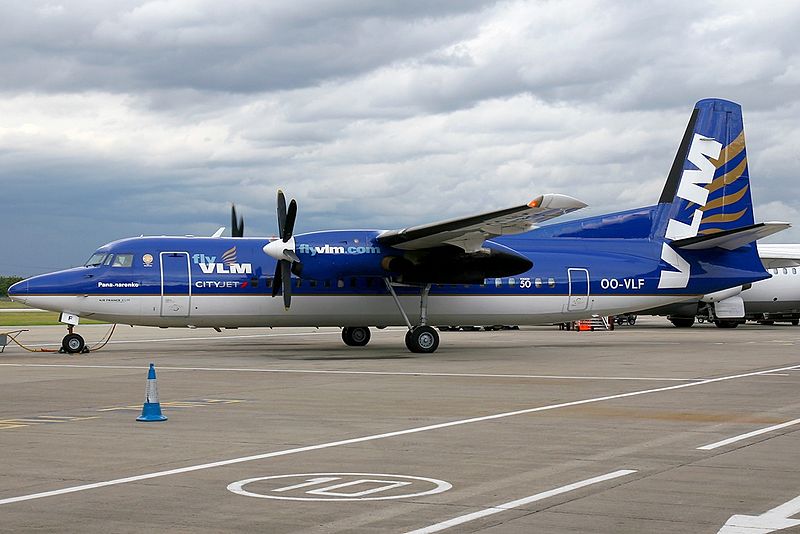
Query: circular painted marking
x=320, y=486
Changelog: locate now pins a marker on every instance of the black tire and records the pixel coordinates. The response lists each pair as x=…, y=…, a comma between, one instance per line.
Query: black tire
x=73, y=343
x=721, y=323
x=632, y=320
x=681, y=322
x=422, y=340
x=356, y=336
x=795, y=322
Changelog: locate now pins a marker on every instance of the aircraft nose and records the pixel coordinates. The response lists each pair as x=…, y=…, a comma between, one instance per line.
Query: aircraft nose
x=19, y=291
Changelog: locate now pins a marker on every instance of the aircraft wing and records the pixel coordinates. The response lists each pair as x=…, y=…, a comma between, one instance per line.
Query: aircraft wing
x=469, y=233
x=776, y=256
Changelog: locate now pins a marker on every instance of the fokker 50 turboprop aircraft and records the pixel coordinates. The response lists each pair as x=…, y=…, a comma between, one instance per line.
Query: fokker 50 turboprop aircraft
x=699, y=239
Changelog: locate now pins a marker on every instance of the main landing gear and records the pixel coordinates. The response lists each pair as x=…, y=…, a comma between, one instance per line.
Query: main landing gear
x=72, y=343
x=421, y=339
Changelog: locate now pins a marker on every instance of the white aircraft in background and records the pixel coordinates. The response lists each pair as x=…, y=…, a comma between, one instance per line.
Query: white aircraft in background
x=766, y=301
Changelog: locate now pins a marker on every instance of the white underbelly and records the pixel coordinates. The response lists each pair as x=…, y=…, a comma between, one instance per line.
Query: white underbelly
x=352, y=310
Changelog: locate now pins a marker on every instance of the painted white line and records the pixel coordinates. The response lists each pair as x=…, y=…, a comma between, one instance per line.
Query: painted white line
x=734, y=439
x=779, y=518
x=343, y=372
x=460, y=520
x=386, y=435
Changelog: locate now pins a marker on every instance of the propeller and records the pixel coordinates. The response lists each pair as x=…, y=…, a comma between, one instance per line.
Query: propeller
x=283, y=250
x=237, y=223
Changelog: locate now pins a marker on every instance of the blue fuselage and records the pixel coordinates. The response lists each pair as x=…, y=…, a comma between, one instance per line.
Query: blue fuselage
x=227, y=282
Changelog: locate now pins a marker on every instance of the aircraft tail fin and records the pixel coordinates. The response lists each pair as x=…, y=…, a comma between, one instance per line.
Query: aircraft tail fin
x=708, y=187
x=705, y=213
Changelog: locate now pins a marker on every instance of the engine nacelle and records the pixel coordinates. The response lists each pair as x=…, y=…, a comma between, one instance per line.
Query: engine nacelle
x=347, y=253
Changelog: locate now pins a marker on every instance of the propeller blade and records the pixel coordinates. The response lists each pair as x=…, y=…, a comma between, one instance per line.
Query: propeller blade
x=288, y=226
x=286, y=267
x=281, y=213
x=237, y=223
x=276, y=282
x=292, y=255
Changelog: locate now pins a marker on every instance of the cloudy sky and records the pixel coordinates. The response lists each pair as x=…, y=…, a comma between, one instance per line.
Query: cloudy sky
x=151, y=117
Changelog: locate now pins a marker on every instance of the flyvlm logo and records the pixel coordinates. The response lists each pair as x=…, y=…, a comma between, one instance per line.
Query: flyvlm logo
x=328, y=249
x=228, y=265
x=691, y=188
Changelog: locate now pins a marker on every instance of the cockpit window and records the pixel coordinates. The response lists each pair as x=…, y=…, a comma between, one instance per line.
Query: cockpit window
x=123, y=260
x=96, y=259
x=108, y=259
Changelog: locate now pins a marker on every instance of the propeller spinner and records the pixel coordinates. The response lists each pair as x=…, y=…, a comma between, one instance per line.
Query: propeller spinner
x=283, y=250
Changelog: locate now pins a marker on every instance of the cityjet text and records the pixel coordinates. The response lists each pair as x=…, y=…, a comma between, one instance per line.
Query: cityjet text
x=219, y=285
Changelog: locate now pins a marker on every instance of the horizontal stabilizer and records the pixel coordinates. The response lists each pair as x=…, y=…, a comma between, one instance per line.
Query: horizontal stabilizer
x=731, y=239
x=469, y=233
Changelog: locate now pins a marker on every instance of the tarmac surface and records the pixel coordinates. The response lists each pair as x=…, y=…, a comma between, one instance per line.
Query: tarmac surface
x=290, y=431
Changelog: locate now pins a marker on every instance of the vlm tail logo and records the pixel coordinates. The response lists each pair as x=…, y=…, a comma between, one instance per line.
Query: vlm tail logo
x=328, y=249
x=691, y=188
x=209, y=265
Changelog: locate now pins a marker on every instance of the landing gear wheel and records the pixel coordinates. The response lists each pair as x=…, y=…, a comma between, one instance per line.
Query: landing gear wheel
x=73, y=344
x=681, y=322
x=726, y=324
x=795, y=322
x=355, y=336
x=422, y=340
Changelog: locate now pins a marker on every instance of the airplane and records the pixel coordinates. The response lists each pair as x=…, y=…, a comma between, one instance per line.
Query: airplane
x=766, y=301
x=500, y=267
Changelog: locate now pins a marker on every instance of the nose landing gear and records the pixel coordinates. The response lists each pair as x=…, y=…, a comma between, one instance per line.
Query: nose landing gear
x=73, y=343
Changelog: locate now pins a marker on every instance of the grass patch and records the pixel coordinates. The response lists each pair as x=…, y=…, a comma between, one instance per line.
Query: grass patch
x=35, y=319
x=7, y=304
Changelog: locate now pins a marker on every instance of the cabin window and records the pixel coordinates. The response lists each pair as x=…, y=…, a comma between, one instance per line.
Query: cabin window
x=313, y=283
x=537, y=282
x=327, y=283
x=299, y=282
x=498, y=282
x=123, y=260
x=785, y=270
x=352, y=282
x=512, y=282
x=97, y=259
x=340, y=283
x=369, y=282
x=551, y=282
x=269, y=282
x=794, y=270
x=254, y=281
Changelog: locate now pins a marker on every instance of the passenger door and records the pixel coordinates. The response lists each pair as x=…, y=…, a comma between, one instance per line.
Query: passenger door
x=578, y=289
x=176, y=284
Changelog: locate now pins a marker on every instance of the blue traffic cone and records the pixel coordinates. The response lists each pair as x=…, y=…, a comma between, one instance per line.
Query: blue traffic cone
x=151, y=411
